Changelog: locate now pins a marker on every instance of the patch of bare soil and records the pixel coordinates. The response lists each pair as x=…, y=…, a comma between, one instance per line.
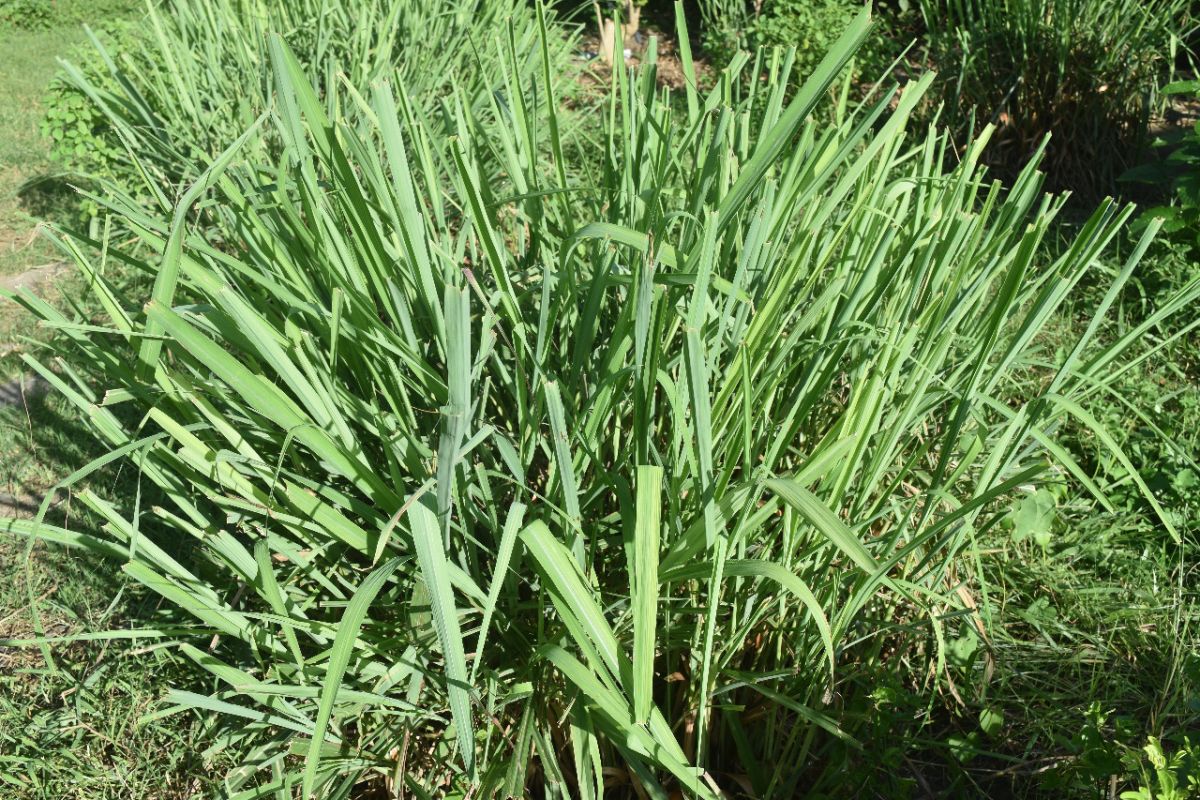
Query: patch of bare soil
x=34, y=278
x=16, y=239
x=20, y=390
x=21, y=242
x=595, y=74
x=1182, y=112
x=40, y=280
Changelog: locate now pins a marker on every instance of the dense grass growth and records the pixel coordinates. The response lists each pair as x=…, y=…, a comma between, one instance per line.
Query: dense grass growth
x=499, y=475
x=1084, y=71
x=72, y=728
x=178, y=87
x=1090, y=661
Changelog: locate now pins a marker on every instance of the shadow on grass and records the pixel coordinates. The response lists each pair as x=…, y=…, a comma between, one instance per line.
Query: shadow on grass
x=74, y=727
x=51, y=197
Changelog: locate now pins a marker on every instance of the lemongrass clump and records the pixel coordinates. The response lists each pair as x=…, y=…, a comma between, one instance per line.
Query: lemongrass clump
x=497, y=479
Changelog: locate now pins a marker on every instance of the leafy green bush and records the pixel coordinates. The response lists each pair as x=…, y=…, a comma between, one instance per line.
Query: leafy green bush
x=507, y=477
x=1086, y=71
x=723, y=26
x=803, y=28
x=1159, y=770
x=26, y=14
x=810, y=26
x=1166, y=773
x=42, y=14
x=1179, y=172
x=76, y=130
x=99, y=13
x=80, y=137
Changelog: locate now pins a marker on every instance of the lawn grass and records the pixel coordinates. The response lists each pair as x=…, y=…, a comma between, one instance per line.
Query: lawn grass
x=29, y=184
x=72, y=730
x=1094, y=631
x=26, y=170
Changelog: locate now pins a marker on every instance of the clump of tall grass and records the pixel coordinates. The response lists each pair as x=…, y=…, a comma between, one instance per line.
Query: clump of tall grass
x=542, y=479
x=189, y=77
x=1086, y=72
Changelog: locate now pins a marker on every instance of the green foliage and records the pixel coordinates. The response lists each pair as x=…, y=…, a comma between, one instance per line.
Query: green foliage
x=1156, y=412
x=27, y=14
x=30, y=186
x=44, y=14
x=482, y=456
x=73, y=127
x=1166, y=774
x=805, y=29
x=1179, y=173
x=71, y=729
x=1157, y=770
x=1085, y=71
x=80, y=139
x=810, y=26
x=148, y=102
x=1033, y=516
x=76, y=733
x=991, y=722
x=723, y=27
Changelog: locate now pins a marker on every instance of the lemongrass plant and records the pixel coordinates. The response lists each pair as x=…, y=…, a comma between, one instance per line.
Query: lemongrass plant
x=574, y=482
x=1086, y=72
x=188, y=79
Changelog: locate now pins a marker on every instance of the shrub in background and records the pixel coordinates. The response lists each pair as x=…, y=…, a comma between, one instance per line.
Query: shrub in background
x=1085, y=71
x=810, y=26
x=30, y=15
x=723, y=26
x=42, y=14
x=81, y=139
x=1179, y=173
x=509, y=478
